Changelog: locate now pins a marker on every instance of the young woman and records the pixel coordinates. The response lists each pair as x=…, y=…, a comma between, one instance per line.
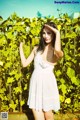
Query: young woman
x=43, y=93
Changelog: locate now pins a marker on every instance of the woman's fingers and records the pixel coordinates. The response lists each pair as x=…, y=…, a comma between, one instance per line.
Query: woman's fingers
x=51, y=28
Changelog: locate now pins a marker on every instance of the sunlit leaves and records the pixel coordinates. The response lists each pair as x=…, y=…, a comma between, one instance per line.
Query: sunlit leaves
x=2, y=90
x=63, y=88
x=58, y=73
x=59, y=27
x=35, y=41
x=68, y=79
x=7, y=65
x=25, y=87
x=71, y=75
x=70, y=72
x=68, y=100
x=71, y=35
x=26, y=49
x=10, y=80
x=16, y=75
x=9, y=35
x=2, y=40
x=17, y=90
x=62, y=98
x=12, y=105
x=22, y=102
x=1, y=63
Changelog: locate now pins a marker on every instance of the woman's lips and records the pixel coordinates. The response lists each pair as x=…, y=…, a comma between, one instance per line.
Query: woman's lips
x=46, y=39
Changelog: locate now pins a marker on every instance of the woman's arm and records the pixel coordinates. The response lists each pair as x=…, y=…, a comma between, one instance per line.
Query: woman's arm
x=25, y=62
x=57, y=47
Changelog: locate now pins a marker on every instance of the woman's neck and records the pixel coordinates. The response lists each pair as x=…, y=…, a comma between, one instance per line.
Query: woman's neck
x=48, y=46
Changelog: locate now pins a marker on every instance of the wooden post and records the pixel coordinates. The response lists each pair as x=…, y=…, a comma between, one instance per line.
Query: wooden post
x=20, y=97
x=0, y=98
x=10, y=97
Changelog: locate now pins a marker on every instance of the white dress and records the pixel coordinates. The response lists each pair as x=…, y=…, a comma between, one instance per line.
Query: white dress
x=43, y=92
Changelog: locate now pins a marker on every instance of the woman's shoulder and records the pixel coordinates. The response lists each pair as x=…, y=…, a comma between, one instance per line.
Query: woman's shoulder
x=35, y=47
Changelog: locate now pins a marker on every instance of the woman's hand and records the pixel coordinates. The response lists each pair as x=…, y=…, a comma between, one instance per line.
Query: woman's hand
x=53, y=29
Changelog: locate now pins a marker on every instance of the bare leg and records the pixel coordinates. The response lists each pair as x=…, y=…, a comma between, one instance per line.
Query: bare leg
x=49, y=115
x=38, y=115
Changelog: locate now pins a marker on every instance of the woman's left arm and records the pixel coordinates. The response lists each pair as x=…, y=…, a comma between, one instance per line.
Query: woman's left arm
x=57, y=47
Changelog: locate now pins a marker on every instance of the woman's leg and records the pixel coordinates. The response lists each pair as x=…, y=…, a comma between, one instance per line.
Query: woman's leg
x=49, y=115
x=38, y=115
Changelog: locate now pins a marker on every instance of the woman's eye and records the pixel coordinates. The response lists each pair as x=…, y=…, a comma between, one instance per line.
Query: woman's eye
x=43, y=33
x=49, y=33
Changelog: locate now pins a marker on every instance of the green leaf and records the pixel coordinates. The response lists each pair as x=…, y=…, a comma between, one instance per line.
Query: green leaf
x=70, y=72
x=12, y=105
x=17, y=90
x=62, y=98
x=9, y=35
x=74, y=80
x=18, y=76
x=63, y=88
x=68, y=100
x=25, y=88
x=22, y=102
x=58, y=73
x=26, y=50
x=62, y=80
x=2, y=90
x=10, y=80
x=8, y=65
x=3, y=40
x=1, y=63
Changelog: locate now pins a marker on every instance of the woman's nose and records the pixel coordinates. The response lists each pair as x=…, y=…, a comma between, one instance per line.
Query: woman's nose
x=46, y=35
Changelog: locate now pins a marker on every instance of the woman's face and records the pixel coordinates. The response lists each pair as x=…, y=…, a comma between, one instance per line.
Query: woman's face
x=47, y=35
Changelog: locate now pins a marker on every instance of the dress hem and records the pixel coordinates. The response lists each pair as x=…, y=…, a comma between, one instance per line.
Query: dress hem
x=45, y=110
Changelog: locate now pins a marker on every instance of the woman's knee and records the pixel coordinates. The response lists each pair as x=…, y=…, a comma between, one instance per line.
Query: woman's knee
x=49, y=115
x=38, y=115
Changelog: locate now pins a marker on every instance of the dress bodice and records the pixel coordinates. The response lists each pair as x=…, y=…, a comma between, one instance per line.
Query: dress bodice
x=40, y=63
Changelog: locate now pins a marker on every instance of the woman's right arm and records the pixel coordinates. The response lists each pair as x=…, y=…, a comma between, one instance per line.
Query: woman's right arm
x=25, y=62
x=57, y=47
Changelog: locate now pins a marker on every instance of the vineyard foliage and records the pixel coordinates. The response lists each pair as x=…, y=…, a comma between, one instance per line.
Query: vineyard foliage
x=14, y=80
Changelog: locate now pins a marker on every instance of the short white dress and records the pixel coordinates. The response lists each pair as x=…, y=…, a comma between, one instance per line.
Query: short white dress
x=43, y=91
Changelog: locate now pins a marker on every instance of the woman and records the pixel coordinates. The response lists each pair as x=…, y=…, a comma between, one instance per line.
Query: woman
x=43, y=93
